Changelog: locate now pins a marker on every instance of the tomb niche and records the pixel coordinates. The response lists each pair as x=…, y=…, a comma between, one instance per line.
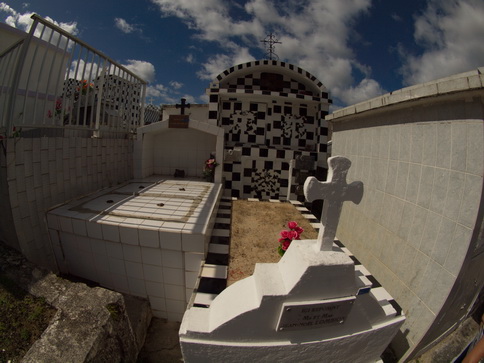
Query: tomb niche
x=272, y=114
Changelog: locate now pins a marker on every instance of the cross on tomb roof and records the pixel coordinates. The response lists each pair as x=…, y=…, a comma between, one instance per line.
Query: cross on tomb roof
x=183, y=106
x=334, y=192
x=269, y=42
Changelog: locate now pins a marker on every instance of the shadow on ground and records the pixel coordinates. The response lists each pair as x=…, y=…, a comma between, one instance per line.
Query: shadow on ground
x=161, y=343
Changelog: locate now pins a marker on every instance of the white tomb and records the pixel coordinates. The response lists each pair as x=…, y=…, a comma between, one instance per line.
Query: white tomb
x=311, y=306
x=148, y=236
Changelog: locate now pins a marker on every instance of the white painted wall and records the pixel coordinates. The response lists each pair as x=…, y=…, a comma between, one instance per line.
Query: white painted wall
x=44, y=172
x=160, y=150
x=419, y=152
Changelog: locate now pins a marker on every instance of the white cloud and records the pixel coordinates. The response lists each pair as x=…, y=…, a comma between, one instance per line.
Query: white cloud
x=167, y=95
x=6, y=8
x=176, y=85
x=190, y=58
x=365, y=90
x=451, y=34
x=24, y=21
x=210, y=17
x=189, y=98
x=315, y=34
x=155, y=90
x=123, y=25
x=204, y=98
x=220, y=62
x=143, y=69
x=81, y=70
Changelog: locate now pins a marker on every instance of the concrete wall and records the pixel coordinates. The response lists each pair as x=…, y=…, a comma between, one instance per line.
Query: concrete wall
x=419, y=153
x=43, y=172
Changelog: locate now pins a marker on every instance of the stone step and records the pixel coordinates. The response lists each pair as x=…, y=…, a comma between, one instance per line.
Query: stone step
x=213, y=276
x=221, y=233
x=217, y=259
x=221, y=225
x=223, y=215
x=204, y=299
x=214, y=271
x=220, y=220
x=218, y=248
x=223, y=240
x=211, y=285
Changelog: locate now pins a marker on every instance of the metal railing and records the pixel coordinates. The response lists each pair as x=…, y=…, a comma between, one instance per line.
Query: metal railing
x=51, y=79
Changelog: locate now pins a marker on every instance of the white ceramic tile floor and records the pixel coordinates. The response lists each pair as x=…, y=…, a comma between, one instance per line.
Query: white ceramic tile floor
x=160, y=199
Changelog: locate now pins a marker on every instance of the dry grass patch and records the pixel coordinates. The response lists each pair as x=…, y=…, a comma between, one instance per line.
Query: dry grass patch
x=255, y=229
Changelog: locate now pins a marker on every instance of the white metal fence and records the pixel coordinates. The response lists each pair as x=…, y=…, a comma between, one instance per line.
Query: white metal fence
x=51, y=79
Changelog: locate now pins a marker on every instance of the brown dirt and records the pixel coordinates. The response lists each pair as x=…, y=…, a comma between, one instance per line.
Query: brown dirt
x=255, y=229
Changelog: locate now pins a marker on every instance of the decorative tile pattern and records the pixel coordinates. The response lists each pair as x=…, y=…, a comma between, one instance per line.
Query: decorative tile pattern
x=272, y=111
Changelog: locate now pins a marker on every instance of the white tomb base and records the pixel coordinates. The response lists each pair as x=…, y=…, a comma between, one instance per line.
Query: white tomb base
x=146, y=237
x=250, y=320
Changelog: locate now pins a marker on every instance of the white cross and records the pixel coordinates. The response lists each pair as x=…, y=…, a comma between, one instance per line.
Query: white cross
x=334, y=191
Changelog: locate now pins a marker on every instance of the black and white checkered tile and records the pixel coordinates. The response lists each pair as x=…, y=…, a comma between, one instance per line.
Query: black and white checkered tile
x=271, y=123
x=121, y=98
x=272, y=110
x=213, y=277
x=252, y=80
x=265, y=173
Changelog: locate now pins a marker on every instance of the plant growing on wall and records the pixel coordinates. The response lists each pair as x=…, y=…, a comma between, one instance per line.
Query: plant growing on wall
x=209, y=169
x=287, y=236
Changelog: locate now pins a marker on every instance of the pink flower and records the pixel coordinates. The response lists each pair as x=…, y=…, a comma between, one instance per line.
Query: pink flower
x=285, y=245
x=58, y=104
x=292, y=225
x=210, y=164
x=293, y=235
x=285, y=234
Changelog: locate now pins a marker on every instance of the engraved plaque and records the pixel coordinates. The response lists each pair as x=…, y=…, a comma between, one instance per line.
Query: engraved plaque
x=178, y=121
x=314, y=314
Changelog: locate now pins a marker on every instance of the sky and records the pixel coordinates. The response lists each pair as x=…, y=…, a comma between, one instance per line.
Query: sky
x=359, y=49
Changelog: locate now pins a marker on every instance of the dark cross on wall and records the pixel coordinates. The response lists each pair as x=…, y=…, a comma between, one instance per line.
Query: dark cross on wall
x=183, y=106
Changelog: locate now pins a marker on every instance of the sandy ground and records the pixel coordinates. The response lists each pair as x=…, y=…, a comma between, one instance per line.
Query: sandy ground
x=255, y=233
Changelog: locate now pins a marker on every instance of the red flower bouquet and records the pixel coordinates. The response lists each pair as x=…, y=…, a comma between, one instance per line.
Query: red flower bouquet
x=287, y=236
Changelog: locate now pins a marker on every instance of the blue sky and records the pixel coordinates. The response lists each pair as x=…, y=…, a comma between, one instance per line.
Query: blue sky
x=358, y=48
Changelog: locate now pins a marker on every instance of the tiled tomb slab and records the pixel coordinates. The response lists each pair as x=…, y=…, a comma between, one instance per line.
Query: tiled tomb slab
x=146, y=237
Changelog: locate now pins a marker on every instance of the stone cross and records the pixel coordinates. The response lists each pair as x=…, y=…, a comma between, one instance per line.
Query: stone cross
x=183, y=106
x=334, y=191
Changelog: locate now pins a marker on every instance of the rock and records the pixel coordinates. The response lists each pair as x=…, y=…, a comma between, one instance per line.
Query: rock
x=91, y=324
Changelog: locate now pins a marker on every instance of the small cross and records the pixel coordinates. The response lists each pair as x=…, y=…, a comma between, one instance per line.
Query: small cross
x=334, y=191
x=183, y=106
x=269, y=42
